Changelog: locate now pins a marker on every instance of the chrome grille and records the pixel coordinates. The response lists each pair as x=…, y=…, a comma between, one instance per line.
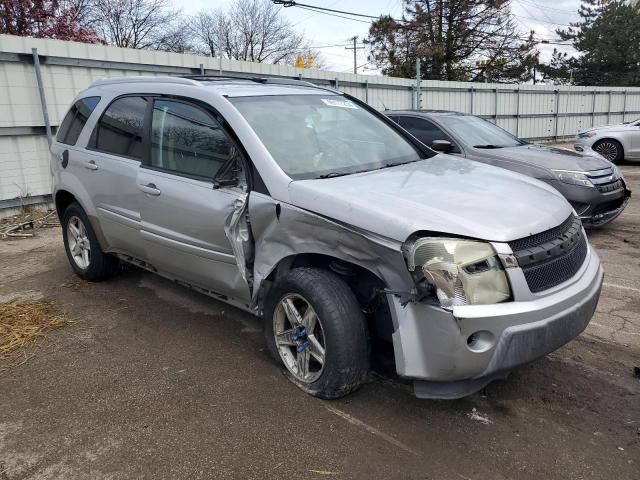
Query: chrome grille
x=551, y=257
x=605, y=180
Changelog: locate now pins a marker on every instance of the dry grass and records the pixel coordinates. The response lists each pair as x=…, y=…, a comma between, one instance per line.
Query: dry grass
x=23, y=323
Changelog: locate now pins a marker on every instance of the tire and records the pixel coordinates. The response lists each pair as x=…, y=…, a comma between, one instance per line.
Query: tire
x=340, y=329
x=86, y=257
x=610, y=149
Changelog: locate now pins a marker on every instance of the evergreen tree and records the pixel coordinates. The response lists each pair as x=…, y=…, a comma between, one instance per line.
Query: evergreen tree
x=607, y=39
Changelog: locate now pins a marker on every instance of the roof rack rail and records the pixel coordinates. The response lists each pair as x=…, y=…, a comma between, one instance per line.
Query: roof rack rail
x=267, y=80
x=144, y=79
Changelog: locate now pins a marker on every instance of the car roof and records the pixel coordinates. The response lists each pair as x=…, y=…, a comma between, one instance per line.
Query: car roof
x=427, y=113
x=227, y=86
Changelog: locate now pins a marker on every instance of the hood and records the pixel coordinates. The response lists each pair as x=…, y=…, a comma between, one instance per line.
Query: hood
x=552, y=158
x=616, y=127
x=443, y=194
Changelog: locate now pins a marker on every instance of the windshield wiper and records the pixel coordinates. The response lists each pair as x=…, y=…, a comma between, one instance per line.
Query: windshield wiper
x=488, y=146
x=333, y=174
x=338, y=174
x=392, y=164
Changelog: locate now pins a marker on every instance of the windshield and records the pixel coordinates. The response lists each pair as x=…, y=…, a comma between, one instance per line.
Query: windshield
x=318, y=136
x=480, y=133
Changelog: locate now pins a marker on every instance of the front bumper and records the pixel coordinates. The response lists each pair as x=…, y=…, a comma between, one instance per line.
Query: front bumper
x=584, y=144
x=595, y=208
x=431, y=346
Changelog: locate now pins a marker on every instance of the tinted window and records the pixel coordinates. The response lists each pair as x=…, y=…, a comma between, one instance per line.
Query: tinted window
x=75, y=120
x=120, y=128
x=423, y=130
x=186, y=139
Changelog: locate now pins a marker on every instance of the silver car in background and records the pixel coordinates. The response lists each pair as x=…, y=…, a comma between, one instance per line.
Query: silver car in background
x=614, y=142
x=310, y=209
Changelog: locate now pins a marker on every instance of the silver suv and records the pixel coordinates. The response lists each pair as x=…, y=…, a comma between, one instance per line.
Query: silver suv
x=310, y=209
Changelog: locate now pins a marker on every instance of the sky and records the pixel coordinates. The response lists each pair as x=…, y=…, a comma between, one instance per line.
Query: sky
x=325, y=31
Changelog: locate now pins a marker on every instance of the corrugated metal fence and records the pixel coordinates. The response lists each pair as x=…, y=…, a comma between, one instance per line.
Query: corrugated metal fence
x=532, y=112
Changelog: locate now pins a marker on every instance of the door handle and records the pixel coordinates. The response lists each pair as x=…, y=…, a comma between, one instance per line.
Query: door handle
x=91, y=165
x=150, y=189
x=64, y=158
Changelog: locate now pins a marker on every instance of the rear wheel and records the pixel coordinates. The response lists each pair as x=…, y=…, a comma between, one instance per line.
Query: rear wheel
x=314, y=326
x=609, y=149
x=81, y=245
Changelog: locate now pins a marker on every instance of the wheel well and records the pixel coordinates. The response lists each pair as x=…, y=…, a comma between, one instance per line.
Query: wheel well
x=366, y=286
x=63, y=200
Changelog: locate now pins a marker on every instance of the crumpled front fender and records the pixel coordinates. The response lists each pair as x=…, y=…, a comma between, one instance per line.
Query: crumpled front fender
x=281, y=230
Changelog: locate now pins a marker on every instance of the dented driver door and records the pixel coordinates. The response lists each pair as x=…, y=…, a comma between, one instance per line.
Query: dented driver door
x=184, y=214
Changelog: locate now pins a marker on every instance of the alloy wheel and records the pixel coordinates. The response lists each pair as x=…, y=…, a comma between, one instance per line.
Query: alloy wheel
x=78, y=242
x=608, y=150
x=299, y=338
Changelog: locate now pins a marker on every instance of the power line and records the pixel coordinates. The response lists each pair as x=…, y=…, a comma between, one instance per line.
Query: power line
x=542, y=11
x=333, y=15
x=291, y=3
x=541, y=21
x=309, y=16
x=544, y=7
x=344, y=44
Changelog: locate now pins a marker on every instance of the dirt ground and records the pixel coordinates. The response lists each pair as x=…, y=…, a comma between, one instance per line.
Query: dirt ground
x=156, y=381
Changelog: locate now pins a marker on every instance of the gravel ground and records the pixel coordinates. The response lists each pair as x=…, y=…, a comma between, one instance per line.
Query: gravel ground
x=155, y=381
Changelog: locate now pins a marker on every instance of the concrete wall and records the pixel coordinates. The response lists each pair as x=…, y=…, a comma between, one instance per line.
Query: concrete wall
x=534, y=112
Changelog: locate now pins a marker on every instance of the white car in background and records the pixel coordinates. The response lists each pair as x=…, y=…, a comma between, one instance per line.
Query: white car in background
x=614, y=142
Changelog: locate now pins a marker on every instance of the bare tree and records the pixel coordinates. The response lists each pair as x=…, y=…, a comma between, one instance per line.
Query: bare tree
x=251, y=30
x=205, y=30
x=80, y=10
x=151, y=24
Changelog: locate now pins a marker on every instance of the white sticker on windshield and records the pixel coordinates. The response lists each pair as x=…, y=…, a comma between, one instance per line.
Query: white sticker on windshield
x=339, y=103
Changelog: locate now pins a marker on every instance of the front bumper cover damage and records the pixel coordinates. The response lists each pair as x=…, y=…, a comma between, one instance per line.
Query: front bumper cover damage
x=524, y=331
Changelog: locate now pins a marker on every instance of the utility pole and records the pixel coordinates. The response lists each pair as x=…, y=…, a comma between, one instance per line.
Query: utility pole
x=418, y=85
x=355, y=57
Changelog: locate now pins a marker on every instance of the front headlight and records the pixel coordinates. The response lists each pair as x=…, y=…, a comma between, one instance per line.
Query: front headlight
x=586, y=134
x=457, y=272
x=574, y=178
x=617, y=174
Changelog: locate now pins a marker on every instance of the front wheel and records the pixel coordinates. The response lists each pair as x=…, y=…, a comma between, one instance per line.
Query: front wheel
x=609, y=149
x=314, y=326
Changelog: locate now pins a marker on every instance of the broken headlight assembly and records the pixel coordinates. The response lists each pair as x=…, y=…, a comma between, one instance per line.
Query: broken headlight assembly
x=457, y=271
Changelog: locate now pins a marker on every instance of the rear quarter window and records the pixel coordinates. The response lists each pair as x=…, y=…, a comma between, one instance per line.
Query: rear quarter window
x=75, y=120
x=120, y=129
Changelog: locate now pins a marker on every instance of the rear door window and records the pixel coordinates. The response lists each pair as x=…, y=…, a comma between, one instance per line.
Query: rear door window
x=187, y=140
x=423, y=130
x=75, y=120
x=121, y=127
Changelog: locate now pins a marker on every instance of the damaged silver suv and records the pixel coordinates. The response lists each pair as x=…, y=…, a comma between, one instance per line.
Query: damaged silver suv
x=310, y=209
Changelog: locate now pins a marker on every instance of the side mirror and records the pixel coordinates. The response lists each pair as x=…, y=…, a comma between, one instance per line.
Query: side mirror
x=442, y=146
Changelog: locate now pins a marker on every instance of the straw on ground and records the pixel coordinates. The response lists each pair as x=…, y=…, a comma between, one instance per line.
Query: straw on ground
x=24, y=322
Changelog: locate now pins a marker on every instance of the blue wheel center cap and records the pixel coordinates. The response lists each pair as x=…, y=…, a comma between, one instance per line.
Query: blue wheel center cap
x=300, y=337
